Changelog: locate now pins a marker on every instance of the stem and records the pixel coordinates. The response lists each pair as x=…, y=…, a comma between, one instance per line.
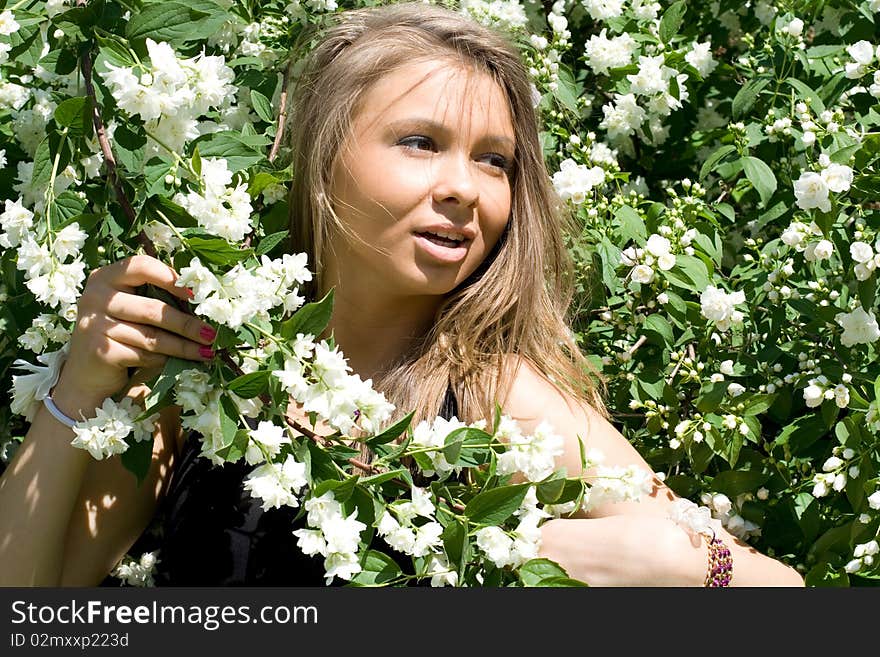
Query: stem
x=107, y=151
x=282, y=114
x=49, y=195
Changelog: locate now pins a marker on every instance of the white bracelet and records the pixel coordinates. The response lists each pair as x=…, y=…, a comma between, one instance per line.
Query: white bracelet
x=57, y=413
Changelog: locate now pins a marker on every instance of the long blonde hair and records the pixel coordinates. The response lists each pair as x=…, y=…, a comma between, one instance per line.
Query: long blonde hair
x=516, y=303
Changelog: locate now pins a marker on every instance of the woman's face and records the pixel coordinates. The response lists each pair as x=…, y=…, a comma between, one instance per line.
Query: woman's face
x=424, y=181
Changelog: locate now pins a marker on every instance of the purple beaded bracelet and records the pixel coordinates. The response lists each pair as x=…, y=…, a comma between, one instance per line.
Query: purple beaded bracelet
x=720, y=570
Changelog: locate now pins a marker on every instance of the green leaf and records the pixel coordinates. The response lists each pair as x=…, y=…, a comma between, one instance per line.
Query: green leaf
x=657, y=326
x=716, y=158
x=167, y=21
x=73, y=113
x=262, y=106
x=382, y=477
x=532, y=572
x=671, y=21
x=228, y=420
x=138, y=457
x=237, y=448
x=217, y=250
x=806, y=91
x=455, y=543
x=311, y=319
x=41, y=174
x=494, y=506
x=270, y=242
x=747, y=95
x=164, y=384
x=632, y=226
x=567, y=91
x=761, y=177
x=238, y=151
x=67, y=205
x=251, y=385
x=736, y=482
x=561, y=582
x=392, y=432
x=377, y=568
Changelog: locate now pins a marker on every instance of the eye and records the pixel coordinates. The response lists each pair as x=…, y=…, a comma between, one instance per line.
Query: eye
x=414, y=142
x=500, y=162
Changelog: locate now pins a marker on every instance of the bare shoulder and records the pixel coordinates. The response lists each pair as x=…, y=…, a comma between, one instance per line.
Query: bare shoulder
x=533, y=398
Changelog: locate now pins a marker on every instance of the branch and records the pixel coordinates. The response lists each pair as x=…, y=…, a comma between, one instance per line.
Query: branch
x=282, y=114
x=107, y=151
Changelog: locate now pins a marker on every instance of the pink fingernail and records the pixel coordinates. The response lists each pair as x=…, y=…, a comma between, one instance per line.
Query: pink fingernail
x=206, y=352
x=189, y=292
x=208, y=333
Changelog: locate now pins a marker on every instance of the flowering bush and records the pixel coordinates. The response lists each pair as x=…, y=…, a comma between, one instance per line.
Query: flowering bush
x=720, y=157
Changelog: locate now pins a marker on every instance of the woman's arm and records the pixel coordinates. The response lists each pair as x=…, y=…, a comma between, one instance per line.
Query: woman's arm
x=624, y=543
x=64, y=518
x=67, y=518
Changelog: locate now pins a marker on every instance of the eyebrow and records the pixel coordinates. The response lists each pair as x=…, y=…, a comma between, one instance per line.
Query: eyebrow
x=419, y=123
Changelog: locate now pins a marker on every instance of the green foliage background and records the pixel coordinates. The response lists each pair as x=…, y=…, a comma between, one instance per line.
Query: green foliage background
x=716, y=170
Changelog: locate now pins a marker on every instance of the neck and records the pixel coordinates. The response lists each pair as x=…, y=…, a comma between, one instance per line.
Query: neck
x=374, y=330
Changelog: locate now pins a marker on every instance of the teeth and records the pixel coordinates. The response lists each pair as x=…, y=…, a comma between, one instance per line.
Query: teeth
x=449, y=236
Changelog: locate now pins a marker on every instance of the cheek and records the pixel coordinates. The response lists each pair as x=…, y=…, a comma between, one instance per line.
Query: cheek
x=496, y=216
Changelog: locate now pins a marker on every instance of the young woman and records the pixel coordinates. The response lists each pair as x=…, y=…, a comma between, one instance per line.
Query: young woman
x=421, y=196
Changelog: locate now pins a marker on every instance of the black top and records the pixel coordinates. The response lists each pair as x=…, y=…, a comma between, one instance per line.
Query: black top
x=209, y=531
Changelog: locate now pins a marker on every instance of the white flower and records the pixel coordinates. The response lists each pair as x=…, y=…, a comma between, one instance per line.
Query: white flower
x=342, y=565
x=718, y=306
x=573, y=181
x=442, y=574
x=700, y=57
x=267, y=435
x=642, y=274
x=68, y=241
x=16, y=222
x=822, y=249
x=311, y=541
x=105, y=434
x=688, y=515
x=832, y=463
x=861, y=252
x=811, y=191
x=735, y=389
x=601, y=10
x=813, y=395
x=29, y=390
x=496, y=544
x=277, y=485
x=874, y=500
x=841, y=395
x=136, y=572
x=8, y=25
x=603, y=54
x=533, y=455
x=859, y=327
x=837, y=177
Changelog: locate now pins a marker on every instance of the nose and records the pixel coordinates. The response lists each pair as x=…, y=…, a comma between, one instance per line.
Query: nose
x=454, y=181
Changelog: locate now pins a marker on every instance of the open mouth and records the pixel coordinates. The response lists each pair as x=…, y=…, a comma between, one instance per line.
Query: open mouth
x=443, y=240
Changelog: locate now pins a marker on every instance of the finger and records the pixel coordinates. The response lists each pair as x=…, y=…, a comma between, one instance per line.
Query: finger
x=136, y=309
x=141, y=269
x=126, y=355
x=155, y=340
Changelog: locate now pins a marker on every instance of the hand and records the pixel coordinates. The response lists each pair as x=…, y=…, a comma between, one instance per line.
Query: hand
x=116, y=329
x=625, y=550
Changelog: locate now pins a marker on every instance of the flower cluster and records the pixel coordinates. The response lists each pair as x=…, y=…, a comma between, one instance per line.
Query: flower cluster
x=107, y=433
x=244, y=294
x=221, y=209
x=171, y=93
